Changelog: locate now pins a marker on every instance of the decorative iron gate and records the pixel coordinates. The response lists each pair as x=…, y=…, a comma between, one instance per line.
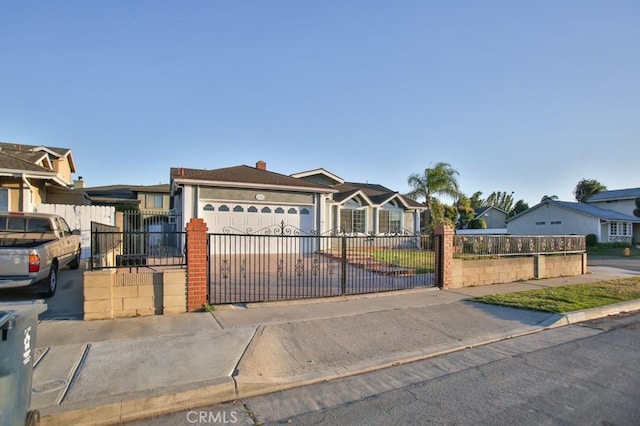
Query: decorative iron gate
x=283, y=263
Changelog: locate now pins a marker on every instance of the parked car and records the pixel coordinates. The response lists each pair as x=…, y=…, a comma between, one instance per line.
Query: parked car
x=33, y=248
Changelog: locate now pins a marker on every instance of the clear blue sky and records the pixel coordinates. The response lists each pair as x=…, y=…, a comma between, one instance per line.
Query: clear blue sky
x=523, y=96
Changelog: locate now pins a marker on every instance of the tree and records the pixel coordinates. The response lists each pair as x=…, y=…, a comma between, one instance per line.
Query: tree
x=587, y=188
x=476, y=200
x=440, y=215
x=466, y=212
x=501, y=200
x=439, y=180
x=518, y=208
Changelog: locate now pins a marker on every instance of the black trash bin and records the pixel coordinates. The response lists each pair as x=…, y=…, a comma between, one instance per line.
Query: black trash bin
x=18, y=325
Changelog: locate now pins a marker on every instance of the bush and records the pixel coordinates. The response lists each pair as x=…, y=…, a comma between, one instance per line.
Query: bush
x=619, y=244
x=591, y=240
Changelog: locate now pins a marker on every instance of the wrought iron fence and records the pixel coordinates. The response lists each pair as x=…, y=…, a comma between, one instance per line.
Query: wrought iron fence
x=112, y=248
x=283, y=263
x=517, y=245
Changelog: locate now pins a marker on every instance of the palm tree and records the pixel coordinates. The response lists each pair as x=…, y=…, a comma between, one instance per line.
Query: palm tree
x=438, y=180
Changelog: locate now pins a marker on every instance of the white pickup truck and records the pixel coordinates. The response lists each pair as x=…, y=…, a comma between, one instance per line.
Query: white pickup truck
x=33, y=247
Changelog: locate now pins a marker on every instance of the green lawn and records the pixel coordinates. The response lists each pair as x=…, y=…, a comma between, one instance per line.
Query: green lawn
x=569, y=298
x=420, y=260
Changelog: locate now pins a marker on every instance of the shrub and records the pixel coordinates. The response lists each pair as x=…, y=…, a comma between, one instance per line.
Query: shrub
x=591, y=240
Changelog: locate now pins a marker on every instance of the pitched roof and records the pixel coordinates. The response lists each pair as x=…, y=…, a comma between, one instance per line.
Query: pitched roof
x=163, y=187
x=25, y=158
x=244, y=175
x=618, y=194
x=378, y=194
x=20, y=163
x=586, y=209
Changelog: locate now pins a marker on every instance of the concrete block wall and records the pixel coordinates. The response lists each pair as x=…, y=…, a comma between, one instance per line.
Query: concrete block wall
x=114, y=294
x=473, y=272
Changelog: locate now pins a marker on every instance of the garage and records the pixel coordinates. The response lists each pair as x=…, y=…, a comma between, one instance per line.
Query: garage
x=245, y=218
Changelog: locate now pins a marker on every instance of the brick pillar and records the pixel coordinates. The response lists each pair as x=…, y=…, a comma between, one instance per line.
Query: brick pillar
x=444, y=255
x=196, y=264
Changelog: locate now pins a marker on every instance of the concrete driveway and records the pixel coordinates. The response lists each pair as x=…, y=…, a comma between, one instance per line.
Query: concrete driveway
x=66, y=304
x=628, y=263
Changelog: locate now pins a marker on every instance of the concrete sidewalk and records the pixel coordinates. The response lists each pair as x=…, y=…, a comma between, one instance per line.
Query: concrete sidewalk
x=106, y=372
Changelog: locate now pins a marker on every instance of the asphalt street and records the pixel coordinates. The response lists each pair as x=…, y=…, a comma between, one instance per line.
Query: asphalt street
x=575, y=375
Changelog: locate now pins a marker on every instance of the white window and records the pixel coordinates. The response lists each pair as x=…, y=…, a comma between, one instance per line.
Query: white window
x=352, y=217
x=620, y=229
x=390, y=219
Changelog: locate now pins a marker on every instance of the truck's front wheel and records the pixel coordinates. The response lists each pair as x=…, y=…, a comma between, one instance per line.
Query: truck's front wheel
x=75, y=263
x=51, y=283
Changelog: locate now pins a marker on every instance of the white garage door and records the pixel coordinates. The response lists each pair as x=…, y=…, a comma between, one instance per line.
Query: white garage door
x=252, y=218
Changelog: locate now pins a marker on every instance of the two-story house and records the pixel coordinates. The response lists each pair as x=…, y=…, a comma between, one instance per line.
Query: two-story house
x=34, y=174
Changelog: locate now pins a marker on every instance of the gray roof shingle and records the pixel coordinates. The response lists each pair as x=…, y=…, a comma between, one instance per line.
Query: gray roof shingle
x=596, y=211
x=617, y=194
x=244, y=174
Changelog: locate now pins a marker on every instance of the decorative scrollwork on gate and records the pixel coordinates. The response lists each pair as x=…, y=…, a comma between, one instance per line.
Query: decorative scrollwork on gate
x=225, y=268
x=299, y=268
x=280, y=268
x=282, y=229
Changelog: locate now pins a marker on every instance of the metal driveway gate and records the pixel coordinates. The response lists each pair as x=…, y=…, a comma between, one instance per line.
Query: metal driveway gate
x=280, y=263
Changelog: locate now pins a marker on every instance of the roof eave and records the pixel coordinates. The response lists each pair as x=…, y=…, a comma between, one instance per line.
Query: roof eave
x=183, y=181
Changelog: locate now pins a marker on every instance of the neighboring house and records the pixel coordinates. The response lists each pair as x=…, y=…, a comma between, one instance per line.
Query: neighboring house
x=494, y=217
x=33, y=174
x=240, y=198
x=145, y=198
x=568, y=218
x=621, y=200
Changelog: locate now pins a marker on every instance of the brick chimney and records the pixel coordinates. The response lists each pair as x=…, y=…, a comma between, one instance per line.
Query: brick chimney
x=261, y=165
x=79, y=183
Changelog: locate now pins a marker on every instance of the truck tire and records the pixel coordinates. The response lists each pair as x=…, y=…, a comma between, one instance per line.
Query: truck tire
x=75, y=263
x=51, y=283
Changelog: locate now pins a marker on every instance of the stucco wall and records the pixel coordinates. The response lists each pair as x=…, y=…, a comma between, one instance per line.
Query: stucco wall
x=249, y=195
x=114, y=293
x=474, y=272
x=570, y=222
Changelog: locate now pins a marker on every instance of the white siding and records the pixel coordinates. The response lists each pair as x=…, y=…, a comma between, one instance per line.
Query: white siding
x=543, y=221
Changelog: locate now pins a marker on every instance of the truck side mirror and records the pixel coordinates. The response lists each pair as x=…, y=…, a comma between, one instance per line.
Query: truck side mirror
x=76, y=232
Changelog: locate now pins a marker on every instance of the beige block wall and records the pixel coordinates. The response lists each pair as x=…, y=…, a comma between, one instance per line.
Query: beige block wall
x=113, y=294
x=474, y=272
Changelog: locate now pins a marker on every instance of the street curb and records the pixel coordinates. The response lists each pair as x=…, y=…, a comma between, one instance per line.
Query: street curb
x=575, y=317
x=137, y=406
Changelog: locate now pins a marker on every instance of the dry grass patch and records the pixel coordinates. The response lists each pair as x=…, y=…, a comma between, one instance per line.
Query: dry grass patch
x=569, y=298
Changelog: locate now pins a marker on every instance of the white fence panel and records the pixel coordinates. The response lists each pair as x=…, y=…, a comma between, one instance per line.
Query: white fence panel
x=80, y=217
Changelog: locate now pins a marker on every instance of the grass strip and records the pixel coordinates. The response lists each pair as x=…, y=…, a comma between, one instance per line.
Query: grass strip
x=570, y=297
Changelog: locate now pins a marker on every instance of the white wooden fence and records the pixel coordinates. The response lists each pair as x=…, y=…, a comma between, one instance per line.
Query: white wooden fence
x=80, y=217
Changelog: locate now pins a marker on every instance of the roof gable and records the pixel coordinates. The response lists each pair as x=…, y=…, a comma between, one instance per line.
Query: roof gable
x=319, y=174
x=376, y=194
